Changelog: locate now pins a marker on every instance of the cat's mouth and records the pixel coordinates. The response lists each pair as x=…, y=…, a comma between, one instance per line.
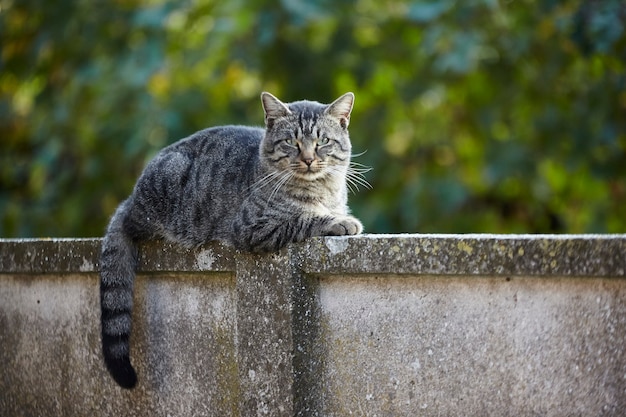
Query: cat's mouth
x=309, y=172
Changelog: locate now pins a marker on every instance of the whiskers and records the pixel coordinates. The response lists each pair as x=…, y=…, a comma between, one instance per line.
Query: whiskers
x=354, y=175
x=275, y=179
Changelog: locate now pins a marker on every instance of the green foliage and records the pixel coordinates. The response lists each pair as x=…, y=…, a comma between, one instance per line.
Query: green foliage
x=477, y=116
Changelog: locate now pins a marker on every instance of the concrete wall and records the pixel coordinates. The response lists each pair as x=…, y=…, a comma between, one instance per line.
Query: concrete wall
x=403, y=325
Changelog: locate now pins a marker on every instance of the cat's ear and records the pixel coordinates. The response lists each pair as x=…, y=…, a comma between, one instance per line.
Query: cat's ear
x=341, y=109
x=273, y=108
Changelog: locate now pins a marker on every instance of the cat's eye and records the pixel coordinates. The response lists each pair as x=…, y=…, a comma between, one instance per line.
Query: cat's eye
x=291, y=142
x=323, y=141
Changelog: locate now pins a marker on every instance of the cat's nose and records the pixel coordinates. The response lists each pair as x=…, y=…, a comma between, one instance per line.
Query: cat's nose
x=308, y=161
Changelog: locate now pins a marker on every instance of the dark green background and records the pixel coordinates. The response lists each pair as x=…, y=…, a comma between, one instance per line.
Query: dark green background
x=477, y=116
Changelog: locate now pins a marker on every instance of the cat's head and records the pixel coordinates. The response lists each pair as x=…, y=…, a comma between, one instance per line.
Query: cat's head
x=307, y=138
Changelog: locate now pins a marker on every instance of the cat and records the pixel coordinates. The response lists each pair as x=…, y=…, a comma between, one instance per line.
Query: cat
x=257, y=189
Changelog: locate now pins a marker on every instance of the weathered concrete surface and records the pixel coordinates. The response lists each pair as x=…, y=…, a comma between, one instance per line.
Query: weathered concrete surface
x=409, y=346
x=183, y=347
x=264, y=331
x=399, y=325
x=42, y=256
x=482, y=255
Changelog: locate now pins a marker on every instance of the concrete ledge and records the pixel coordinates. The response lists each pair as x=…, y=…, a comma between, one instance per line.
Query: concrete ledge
x=400, y=325
x=527, y=255
x=54, y=256
x=492, y=255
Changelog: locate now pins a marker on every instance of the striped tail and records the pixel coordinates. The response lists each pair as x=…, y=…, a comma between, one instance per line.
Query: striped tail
x=118, y=261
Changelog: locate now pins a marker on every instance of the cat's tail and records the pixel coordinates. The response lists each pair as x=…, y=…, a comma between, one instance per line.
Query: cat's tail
x=118, y=261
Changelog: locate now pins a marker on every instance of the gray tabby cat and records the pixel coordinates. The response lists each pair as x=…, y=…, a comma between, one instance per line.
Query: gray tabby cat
x=255, y=189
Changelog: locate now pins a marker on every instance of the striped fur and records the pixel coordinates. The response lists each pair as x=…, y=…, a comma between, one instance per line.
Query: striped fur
x=256, y=189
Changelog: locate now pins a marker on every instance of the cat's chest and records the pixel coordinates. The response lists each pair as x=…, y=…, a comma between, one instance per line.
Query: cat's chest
x=318, y=209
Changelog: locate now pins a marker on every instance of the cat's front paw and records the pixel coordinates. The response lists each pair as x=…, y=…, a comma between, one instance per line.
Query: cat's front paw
x=344, y=226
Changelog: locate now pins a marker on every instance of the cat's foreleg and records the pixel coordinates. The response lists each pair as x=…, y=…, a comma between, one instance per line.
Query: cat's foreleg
x=343, y=226
x=269, y=234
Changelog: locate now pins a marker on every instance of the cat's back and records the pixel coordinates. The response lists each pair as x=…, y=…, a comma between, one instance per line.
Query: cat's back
x=192, y=188
x=218, y=158
x=232, y=140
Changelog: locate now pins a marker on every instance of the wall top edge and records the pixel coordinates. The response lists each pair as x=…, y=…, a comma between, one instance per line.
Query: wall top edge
x=588, y=255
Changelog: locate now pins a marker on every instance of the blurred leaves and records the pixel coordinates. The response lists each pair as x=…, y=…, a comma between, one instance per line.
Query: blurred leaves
x=477, y=116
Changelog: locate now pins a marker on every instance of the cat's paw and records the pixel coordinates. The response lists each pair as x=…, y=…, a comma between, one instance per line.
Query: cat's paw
x=344, y=226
